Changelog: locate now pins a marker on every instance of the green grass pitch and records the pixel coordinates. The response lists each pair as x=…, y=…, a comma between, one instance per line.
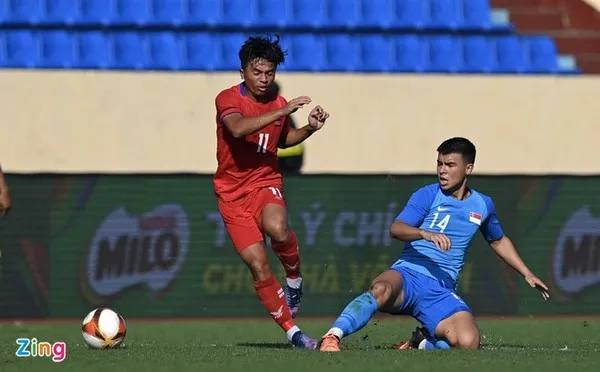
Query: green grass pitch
x=510, y=344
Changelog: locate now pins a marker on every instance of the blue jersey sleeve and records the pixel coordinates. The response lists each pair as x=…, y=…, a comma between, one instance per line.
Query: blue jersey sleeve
x=418, y=206
x=491, y=228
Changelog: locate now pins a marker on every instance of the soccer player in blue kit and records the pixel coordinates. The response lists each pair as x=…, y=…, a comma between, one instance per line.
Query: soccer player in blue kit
x=438, y=223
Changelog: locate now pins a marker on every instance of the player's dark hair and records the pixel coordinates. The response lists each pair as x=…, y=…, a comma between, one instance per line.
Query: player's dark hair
x=266, y=48
x=458, y=145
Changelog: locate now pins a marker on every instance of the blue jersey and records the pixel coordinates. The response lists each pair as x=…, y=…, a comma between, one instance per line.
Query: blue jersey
x=429, y=208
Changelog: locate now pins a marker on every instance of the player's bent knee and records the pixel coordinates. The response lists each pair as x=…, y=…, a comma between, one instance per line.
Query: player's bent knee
x=382, y=292
x=468, y=340
x=278, y=231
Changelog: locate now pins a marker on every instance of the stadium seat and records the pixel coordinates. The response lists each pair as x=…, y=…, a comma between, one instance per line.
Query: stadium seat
x=21, y=48
x=23, y=12
x=410, y=54
x=237, y=13
x=229, y=46
x=93, y=50
x=128, y=51
x=342, y=14
x=131, y=12
x=272, y=13
x=444, y=54
x=96, y=12
x=57, y=50
x=200, y=51
x=510, y=54
x=445, y=15
x=202, y=13
x=376, y=14
x=376, y=53
x=167, y=12
x=341, y=53
x=164, y=50
x=477, y=54
x=542, y=54
x=411, y=14
x=476, y=15
x=308, y=13
x=305, y=53
x=61, y=13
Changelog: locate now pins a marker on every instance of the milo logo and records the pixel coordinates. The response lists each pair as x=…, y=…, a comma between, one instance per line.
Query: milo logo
x=128, y=250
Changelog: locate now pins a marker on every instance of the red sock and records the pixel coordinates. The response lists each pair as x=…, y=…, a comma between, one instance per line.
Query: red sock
x=289, y=255
x=271, y=295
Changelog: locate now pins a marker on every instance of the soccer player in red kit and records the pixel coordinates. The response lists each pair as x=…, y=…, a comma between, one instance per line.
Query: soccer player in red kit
x=251, y=124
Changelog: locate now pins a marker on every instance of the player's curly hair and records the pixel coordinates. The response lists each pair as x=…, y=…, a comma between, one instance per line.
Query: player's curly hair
x=266, y=48
x=458, y=145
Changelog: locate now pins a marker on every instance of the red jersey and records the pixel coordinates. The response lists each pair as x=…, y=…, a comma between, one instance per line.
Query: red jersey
x=250, y=162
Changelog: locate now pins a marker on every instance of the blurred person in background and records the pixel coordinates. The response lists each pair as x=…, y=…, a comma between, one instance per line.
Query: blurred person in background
x=290, y=158
x=5, y=202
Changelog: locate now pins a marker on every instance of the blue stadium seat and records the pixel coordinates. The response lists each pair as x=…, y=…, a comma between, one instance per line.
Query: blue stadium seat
x=3, y=62
x=23, y=12
x=377, y=14
x=445, y=15
x=308, y=13
x=93, y=50
x=411, y=14
x=229, y=46
x=57, y=50
x=165, y=52
x=478, y=55
x=128, y=51
x=410, y=54
x=444, y=54
x=61, y=13
x=202, y=13
x=167, y=12
x=131, y=12
x=97, y=12
x=341, y=53
x=21, y=48
x=305, y=53
x=200, y=50
x=510, y=55
x=543, y=55
x=237, y=13
x=342, y=13
x=376, y=53
x=476, y=15
x=272, y=13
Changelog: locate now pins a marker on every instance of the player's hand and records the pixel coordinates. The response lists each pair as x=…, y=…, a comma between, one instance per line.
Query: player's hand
x=293, y=105
x=5, y=202
x=535, y=282
x=317, y=118
x=440, y=240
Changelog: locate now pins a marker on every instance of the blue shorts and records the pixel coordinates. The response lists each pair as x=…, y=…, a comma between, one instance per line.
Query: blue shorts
x=426, y=300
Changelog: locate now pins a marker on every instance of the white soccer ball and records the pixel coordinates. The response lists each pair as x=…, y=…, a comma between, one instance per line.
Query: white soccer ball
x=103, y=329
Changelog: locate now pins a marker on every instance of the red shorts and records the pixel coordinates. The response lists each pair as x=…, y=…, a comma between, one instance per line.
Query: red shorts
x=242, y=216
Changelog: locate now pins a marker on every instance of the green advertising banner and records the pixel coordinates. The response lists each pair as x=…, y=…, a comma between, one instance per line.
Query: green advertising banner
x=560, y=238
x=155, y=246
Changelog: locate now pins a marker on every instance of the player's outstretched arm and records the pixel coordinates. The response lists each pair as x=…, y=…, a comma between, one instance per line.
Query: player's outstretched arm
x=402, y=231
x=241, y=126
x=506, y=250
x=316, y=120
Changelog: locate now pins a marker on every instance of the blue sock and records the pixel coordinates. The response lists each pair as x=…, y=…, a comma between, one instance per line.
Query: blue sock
x=356, y=315
x=432, y=343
